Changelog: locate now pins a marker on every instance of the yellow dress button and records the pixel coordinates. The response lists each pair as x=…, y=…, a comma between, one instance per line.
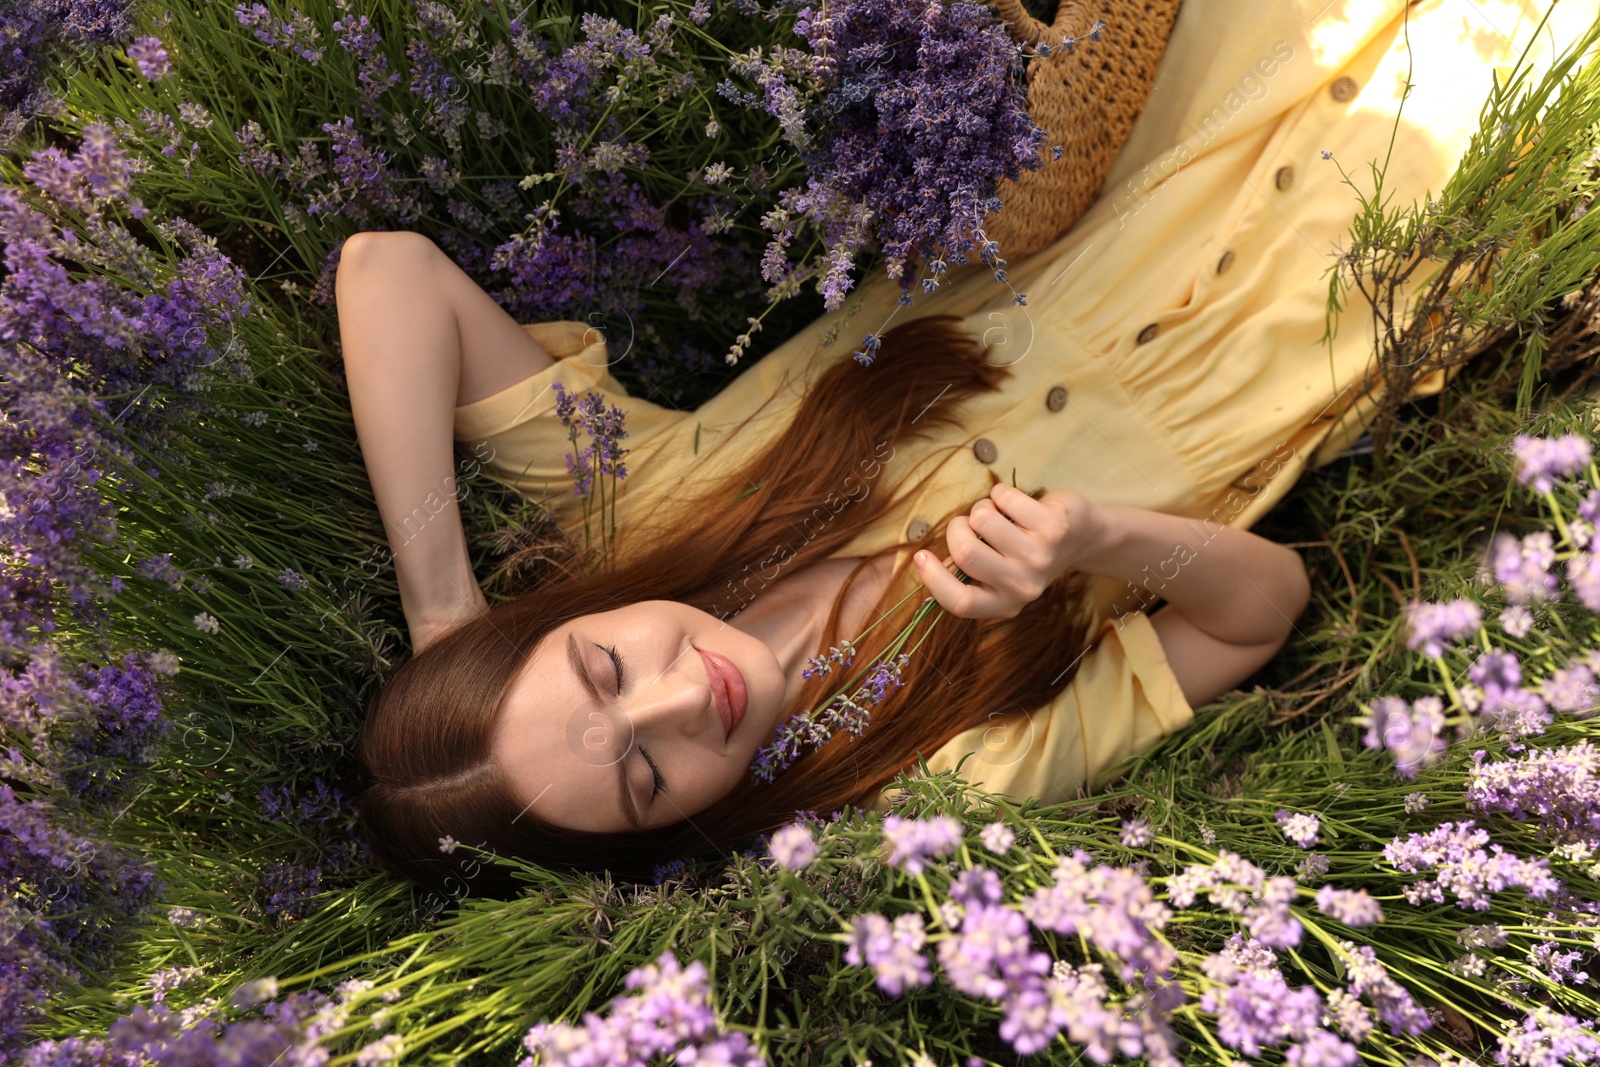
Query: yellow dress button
x=1343, y=89
x=1284, y=178
x=1057, y=398
x=1225, y=262
x=1148, y=334
x=917, y=530
x=984, y=449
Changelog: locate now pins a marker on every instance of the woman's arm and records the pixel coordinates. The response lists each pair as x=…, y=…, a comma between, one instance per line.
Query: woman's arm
x=417, y=340
x=1232, y=596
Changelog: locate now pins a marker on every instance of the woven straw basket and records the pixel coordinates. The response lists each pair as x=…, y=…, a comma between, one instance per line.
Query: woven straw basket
x=1087, y=100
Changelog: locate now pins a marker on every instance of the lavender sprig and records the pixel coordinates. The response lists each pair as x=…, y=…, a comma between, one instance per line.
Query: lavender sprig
x=604, y=427
x=846, y=709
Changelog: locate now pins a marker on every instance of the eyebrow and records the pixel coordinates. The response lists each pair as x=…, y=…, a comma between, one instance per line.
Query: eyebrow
x=625, y=795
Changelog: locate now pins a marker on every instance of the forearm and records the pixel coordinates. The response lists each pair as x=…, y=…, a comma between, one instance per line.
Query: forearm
x=402, y=395
x=1235, y=585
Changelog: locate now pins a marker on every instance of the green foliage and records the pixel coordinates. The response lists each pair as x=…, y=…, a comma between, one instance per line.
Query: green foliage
x=1508, y=244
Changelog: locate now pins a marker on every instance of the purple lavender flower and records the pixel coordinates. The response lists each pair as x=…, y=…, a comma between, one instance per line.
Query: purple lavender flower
x=908, y=117
x=289, y=1031
x=1556, y=790
x=101, y=169
x=357, y=37
x=1465, y=868
x=604, y=428
x=1416, y=802
x=1516, y=621
x=793, y=847
x=913, y=840
x=1136, y=834
x=164, y=981
x=1522, y=566
x=49, y=873
x=1515, y=713
x=823, y=665
x=1112, y=907
x=1583, y=572
x=385, y=1049
x=40, y=37
x=1314, y=865
x=849, y=712
x=1572, y=690
x=50, y=322
x=1299, y=827
x=1269, y=919
x=320, y=805
x=365, y=189
x=121, y=727
x=980, y=885
x=1547, y=1036
x=1560, y=967
x=1486, y=935
x=1348, y=1015
x=438, y=88
x=894, y=953
x=991, y=952
x=1547, y=460
x=1353, y=907
x=297, y=34
x=1432, y=626
x=670, y=1016
x=150, y=56
x=997, y=837
x=291, y=889
x=1369, y=978
x=1496, y=669
x=1411, y=732
x=1255, y=1007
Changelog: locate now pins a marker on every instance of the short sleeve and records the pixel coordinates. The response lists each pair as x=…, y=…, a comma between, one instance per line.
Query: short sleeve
x=1123, y=699
x=517, y=433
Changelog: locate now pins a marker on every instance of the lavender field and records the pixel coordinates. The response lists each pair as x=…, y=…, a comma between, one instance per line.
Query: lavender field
x=1385, y=848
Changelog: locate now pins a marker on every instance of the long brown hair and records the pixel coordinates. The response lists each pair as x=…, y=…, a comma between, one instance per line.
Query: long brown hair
x=425, y=743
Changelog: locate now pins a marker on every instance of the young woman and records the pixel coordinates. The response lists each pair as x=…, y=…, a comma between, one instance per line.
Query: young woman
x=1162, y=387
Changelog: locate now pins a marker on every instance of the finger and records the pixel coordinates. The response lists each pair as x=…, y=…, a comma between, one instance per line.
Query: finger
x=952, y=594
x=967, y=600
x=998, y=531
x=981, y=562
x=1002, y=562
x=1017, y=506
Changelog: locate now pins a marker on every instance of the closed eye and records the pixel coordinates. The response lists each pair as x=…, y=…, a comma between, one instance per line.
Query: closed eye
x=655, y=775
x=657, y=782
x=616, y=662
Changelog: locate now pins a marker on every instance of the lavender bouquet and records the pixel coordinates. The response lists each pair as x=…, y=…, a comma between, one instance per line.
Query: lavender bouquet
x=906, y=116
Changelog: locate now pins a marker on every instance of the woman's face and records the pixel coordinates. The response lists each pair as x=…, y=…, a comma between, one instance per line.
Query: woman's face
x=577, y=759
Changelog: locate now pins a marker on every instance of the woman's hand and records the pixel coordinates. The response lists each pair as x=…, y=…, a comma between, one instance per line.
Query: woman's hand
x=1025, y=545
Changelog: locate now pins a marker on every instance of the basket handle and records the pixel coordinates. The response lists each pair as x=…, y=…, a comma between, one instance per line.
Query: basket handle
x=1025, y=29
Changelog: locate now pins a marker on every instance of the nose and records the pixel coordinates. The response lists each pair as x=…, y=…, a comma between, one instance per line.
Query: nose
x=679, y=700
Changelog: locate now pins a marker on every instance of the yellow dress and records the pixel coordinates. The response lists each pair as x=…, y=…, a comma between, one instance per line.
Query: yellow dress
x=1179, y=317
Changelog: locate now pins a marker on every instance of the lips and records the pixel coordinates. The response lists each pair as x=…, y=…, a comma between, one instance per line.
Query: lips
x=727, y=690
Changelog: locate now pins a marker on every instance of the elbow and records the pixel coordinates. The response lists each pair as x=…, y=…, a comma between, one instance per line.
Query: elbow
x=1296, y=590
